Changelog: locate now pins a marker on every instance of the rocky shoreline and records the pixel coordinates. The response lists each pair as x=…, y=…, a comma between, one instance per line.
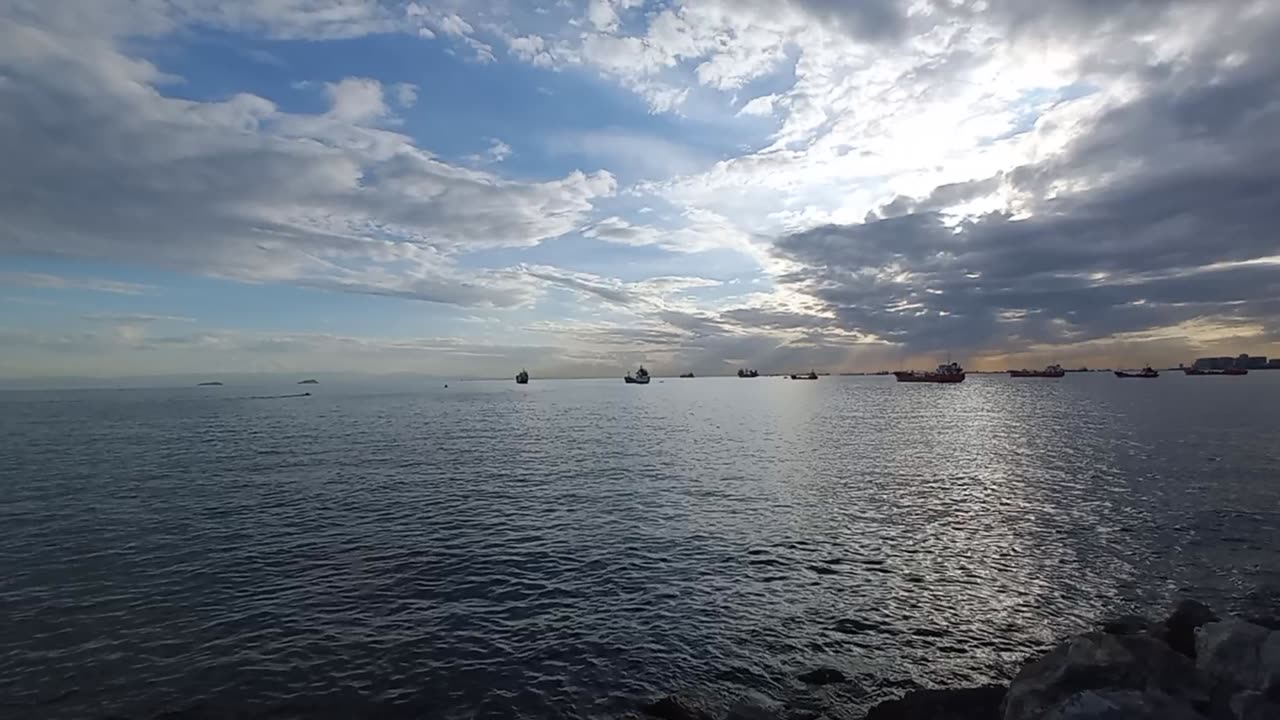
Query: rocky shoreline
x=1192, y=665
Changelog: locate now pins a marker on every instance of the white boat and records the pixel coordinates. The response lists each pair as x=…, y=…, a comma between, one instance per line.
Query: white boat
x=640, y=378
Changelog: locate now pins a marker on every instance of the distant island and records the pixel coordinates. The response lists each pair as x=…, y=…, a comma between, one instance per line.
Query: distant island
x=309, y=381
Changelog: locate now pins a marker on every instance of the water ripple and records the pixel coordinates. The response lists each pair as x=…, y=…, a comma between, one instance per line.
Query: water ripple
x=565, y=549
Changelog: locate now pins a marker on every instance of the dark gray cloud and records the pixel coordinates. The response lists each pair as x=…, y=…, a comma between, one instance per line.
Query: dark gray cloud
x=1162, y=212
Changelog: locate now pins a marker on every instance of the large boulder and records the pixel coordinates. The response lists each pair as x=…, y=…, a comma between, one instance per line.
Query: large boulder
x=1181, y=626
x=1120, y=705
x=674, y=708
x=1127, y=625
x=1242, y=660
x=1252, y=706
x=979, y=703
x=1089, y=670
x=1240, y=654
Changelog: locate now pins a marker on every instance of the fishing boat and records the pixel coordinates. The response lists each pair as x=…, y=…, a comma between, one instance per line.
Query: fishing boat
x=811, y=376
x=1146, y=372
x=949, y=373
x=687, y=375
x=745, y=373
x=522, y=378
x=1053, y=371
x=1223, y=371
x=640, y=378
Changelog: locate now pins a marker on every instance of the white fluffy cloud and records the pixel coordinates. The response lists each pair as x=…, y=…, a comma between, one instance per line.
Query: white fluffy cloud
x=101, y=163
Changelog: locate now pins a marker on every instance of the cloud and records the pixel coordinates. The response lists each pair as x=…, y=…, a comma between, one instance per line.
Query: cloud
x=356, y=100
x=101, y=164
x=406, y=94
x=498, y=151
x=698, y=231
x=135, y=318
x=64, y=282
x=1158, y=216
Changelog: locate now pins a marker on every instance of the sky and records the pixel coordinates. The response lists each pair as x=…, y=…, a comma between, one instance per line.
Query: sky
x=464, y=188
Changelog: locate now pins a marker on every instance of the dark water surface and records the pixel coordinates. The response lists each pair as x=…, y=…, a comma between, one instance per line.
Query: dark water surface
x=567, y=548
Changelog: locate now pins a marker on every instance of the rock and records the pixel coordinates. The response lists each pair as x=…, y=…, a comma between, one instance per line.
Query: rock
x=674, y=708
x=823, y=676
x=753, y=711
x=1253, y=706
x=1105, y=664
x=1120, y=705
x=1180, y=628
x=979, y=703
x=1127, y=625
x=1239, y=655
x=1261, y=606
x=755, y=706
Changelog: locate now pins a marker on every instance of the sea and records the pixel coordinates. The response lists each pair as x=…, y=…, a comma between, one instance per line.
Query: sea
x=575, y=548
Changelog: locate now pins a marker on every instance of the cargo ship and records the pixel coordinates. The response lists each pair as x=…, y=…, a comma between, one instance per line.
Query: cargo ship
x=640, y=378
x=949, y=373
x=1223, y=371
x=1146, y=372
x=1053, y=371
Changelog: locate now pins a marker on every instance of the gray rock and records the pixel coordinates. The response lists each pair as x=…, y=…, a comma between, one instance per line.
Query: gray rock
x=979, y=703
x=1239, y=655
x=1261, y=606
x=1105, y=664
x=1120, y=705
x=1127, y=625
x=674, y=708
x=1180, y=628
x=755, y=706
x=1253, y=706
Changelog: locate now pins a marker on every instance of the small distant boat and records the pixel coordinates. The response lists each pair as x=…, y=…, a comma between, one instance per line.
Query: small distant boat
x=1146, y=372
x=309, y=381
x=215, y=383
x=949, y=373
x=687, y=375
x=811, y=376
x=1223, y=371
x=745, y=373
x=1053, y=371
x=640, y=378
x=522, y=378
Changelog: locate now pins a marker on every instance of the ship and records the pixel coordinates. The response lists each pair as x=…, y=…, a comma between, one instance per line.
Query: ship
x=811, y=376
x=1223, y=371
x=1053, y=371
x=745, y=373
x=949, y=373
x=522, y=378
x=687, y=375
x=640, y=378
x=1146, y=372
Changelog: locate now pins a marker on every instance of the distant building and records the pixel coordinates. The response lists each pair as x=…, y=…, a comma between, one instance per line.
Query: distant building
x=1251, y=362
x=1214, y=363
x=1243, y=360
